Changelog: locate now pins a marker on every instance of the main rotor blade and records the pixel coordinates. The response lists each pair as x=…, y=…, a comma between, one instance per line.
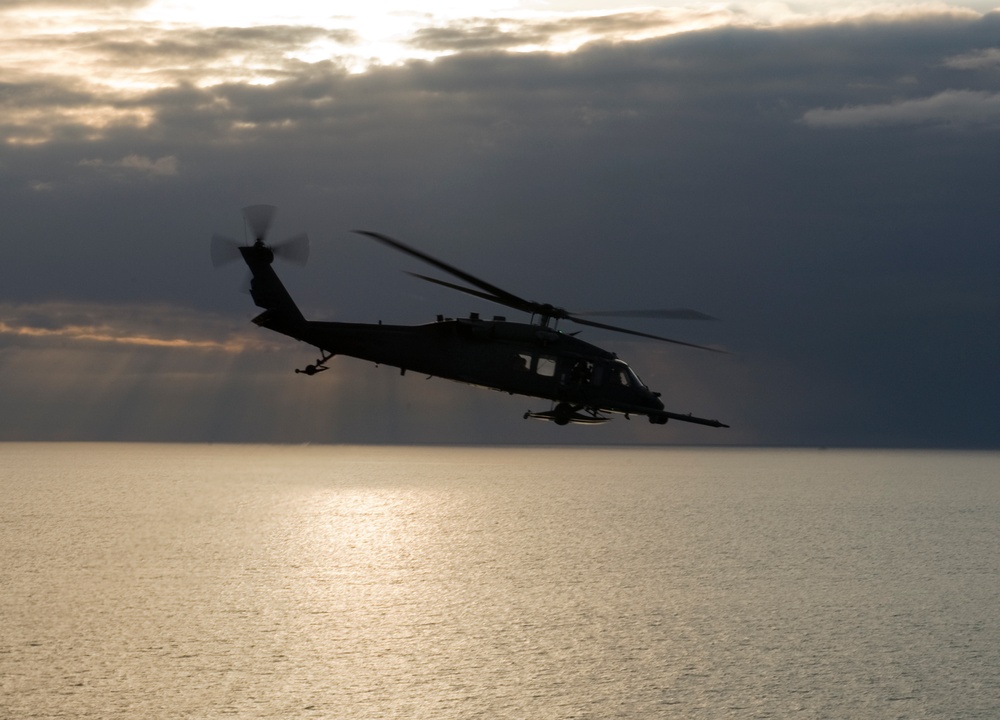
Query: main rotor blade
x=259, y=217
x=498, y=295
x=453, y=286
x=670, y=314
x=615, y=328
x=224, y=250
x=295, y=248
x=491, y=292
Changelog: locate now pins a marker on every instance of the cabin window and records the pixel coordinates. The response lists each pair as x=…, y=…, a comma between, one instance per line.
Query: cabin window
x=582, y=373
x=543, y=365
x=546, y=366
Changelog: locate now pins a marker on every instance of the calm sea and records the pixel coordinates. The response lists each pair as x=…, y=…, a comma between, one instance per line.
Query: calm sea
x=172, y=581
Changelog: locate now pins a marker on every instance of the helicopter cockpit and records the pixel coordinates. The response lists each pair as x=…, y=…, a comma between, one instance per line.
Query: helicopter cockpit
x=621, y=374
x=610, y=374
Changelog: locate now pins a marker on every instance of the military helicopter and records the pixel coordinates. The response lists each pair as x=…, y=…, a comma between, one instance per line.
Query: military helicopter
x=583, y=382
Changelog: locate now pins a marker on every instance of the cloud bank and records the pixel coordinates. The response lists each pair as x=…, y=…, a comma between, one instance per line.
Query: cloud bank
x=826, y=188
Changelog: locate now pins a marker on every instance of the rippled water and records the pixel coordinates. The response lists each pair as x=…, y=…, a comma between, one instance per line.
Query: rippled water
x=145, y=581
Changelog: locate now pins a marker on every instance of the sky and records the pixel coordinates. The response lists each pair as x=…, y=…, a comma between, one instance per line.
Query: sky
x=823, y=178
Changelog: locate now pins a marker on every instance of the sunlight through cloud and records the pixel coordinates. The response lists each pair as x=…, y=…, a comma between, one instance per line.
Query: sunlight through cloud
x=150, y=326
x=85, y=71
x=136, y=48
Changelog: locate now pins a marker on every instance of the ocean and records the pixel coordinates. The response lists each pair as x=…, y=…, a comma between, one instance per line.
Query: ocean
x=209, y=581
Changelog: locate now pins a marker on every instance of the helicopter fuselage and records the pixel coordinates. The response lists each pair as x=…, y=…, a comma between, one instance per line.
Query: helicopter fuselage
x=516, y=358
x=581, y=379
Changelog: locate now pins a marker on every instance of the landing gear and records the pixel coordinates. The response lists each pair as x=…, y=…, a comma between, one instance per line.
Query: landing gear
x=318, y=367
x=564, y=414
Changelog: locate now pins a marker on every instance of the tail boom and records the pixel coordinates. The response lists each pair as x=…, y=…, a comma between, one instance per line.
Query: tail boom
x=268, y=292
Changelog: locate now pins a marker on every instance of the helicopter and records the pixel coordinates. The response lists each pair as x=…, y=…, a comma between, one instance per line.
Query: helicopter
x=584, y=383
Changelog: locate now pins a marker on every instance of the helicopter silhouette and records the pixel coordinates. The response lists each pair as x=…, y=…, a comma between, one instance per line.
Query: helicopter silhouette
x=583, y=382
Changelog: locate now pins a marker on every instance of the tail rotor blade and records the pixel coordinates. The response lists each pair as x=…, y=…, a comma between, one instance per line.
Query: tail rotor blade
x=294, y=249
x=224, y=250
x=259, y=218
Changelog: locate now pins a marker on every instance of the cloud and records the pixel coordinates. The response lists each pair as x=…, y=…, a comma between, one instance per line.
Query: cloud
x=160, y=56
x=120, y=74
x=956, y=108
x=136, y=164
x=73, y=5
x=988, y=58
x=562, y=32
x=150, y=56
x=88, y=83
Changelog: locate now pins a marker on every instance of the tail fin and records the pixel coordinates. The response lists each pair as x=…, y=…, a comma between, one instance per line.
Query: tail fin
x=280, y=311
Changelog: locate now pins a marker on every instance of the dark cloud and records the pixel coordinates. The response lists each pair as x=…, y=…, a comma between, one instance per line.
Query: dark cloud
x=828, y=191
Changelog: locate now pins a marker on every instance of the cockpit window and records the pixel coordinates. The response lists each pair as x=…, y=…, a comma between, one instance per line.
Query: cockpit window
x=635, y=381
x=621, y=374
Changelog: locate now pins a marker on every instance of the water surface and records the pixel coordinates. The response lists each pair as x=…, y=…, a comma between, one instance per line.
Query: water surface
x=159, y=581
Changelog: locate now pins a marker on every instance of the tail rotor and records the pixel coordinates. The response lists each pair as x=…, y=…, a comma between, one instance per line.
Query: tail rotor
x=224, y=250
x=295, y=249
x=258, y=220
